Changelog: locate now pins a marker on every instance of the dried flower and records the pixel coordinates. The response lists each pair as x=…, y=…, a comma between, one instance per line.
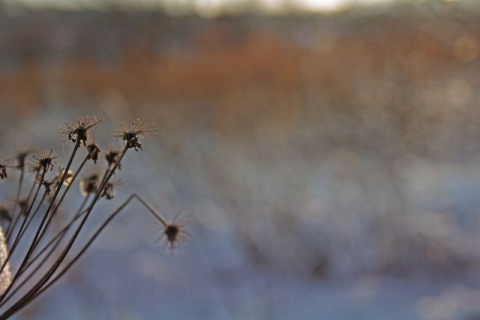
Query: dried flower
x=89, y=183
x=31, y=218
x=133, y=132
x=21, y=155
x=44, y=162
x=112, y=156
x=79, y=131
x=3, y=167
x=109, y=189
x=93, y=151
x=68, y=177
x=56, y=180
x=174, y=233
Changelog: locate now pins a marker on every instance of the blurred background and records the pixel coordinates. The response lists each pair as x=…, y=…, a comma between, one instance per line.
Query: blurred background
x=325, y=154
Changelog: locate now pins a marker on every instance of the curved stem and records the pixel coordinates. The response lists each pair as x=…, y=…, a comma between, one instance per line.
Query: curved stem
x=96, y=234
x=27, y=297
x=55, y=242
x=52, y=201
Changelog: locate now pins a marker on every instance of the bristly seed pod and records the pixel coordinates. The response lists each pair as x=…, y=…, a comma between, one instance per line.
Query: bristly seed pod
x=174, y=233
x=79, y=131
x=44, y=162
x=51, y=246
x=133, y=132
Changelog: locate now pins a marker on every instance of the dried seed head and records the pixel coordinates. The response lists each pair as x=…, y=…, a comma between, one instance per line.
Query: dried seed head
x=68, y=177
x=21, y=155
x=93, y=151
x=109, y=189
x=90, y=183
x=132, y=133
x=4, y=164
x=44, y=162
x=56, y=181
x=174, y=233
x=112, y=156
x=78, y=132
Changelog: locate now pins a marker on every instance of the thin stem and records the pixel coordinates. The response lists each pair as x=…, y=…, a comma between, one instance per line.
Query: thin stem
x=96, y=234
x=42, y=233
x=55, y=242
x=20, y=231
x=26, y=298
x=31, y=216
x=57, y=190
x=52, y=201
x=11, y=226
x=17, y=240
x=151, y=209
x=32, y=189
x=61, y=233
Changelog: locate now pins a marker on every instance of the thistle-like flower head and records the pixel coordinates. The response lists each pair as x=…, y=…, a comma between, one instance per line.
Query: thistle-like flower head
x=44, y=162
x=132, y=133
x=79, y=131
x=174, y=233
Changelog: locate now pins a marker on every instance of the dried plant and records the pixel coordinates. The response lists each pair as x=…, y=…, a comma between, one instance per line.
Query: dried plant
x=173, y=233
x=4, y=164
x=50, y=251
x=78, y=132
x=132, y=133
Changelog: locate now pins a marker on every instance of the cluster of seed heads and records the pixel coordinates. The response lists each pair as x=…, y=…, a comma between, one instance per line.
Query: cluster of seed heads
x=28, y=219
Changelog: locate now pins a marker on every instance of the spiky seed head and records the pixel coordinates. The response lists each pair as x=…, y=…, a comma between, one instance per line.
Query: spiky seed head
x=78, y=132
x=44, y=162
x=132, y=132
x=174, y=233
